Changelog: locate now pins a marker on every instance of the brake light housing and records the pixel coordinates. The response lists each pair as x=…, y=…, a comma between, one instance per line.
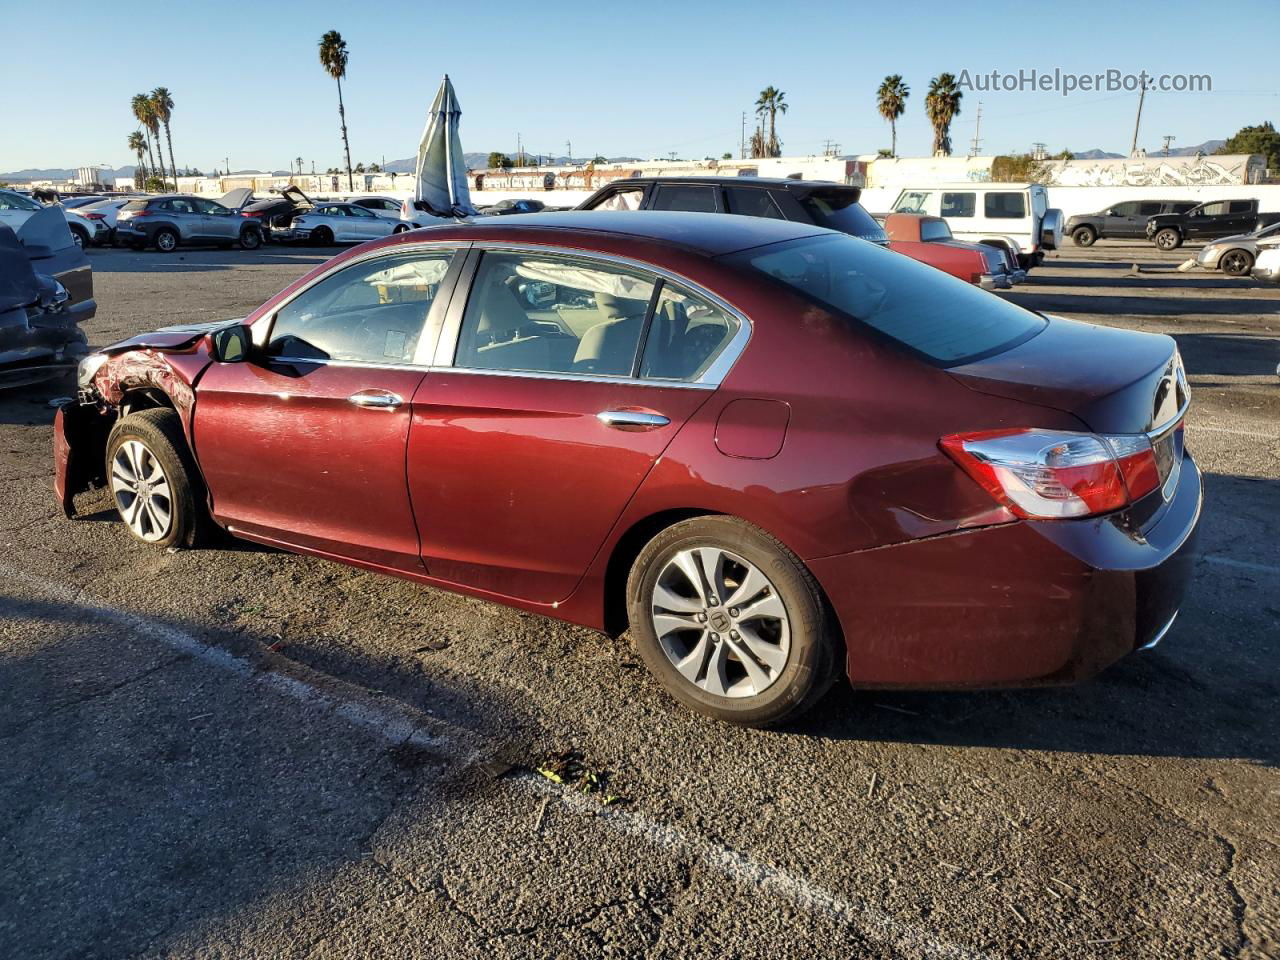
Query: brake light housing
x=1055, y=474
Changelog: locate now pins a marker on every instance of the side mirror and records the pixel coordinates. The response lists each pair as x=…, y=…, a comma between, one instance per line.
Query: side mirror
x=232, y=344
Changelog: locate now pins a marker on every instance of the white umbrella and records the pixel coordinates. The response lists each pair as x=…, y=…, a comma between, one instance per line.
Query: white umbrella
x=441, y=172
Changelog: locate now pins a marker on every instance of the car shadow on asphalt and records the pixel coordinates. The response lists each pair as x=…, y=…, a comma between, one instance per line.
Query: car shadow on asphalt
x=1226, y=354
x=197, y=260
x=1142, y=306
x=1146, y=280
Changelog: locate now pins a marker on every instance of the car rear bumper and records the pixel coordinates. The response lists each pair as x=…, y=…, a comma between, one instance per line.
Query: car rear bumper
x=1021, y=604
x=995, y=281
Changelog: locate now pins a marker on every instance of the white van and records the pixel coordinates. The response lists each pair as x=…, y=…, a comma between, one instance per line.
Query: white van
x=1016, y=215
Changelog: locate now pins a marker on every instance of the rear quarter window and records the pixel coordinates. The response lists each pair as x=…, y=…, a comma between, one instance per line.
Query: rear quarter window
x=136, y=205
x=1007, y=206
x=840, y=210
x=938, y=317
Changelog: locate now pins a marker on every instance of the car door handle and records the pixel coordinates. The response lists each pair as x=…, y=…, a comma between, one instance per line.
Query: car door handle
x=376, y=399
x=635, y=419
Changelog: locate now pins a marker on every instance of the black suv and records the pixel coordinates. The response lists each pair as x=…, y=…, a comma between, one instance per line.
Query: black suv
x=1208, y=221
x=1123, y=221
x=831, y=205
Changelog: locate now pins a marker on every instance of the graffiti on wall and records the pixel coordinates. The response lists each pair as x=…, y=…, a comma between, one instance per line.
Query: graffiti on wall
x=1157, y=172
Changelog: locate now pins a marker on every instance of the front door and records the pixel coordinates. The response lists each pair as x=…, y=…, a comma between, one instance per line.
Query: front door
x=538, y=422
x=305, y=443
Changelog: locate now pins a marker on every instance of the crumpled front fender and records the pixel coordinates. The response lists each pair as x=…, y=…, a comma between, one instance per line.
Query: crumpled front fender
x=79, y=451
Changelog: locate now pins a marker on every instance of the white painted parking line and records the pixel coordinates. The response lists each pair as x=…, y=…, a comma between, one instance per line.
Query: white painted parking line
x=397, y=723
x=1243, y=564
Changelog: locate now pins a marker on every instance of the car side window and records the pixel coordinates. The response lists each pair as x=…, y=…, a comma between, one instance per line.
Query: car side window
x=354, y=211
x=553, y=314
x=629, y=199
x=1149, y=209
x=1124, y=209
x=912, y=201
x=686, y=335
x=958, y=204
x=1213, y=209
x=371, y=312
x=693, y=197
x=934, y=230
x=1005, y=206
x=1241, y=206
x=750, y=202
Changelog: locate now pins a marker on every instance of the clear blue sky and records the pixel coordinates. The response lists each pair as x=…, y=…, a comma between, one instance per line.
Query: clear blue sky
x=665, y=77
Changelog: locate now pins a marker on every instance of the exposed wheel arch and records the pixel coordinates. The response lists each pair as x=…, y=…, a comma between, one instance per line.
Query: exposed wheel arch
x=624, y=555
x=144, y=398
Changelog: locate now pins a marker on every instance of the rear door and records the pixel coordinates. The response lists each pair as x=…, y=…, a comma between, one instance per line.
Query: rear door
x=1122, y=220
x=364, y=224
x=219, y=223
x=305, y=444
x=1146, y=210
x=557, y=385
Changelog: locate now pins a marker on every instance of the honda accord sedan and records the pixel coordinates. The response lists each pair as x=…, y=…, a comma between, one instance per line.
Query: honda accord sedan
x=770, y=452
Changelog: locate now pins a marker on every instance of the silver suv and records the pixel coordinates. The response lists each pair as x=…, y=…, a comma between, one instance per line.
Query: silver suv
x=165, y=222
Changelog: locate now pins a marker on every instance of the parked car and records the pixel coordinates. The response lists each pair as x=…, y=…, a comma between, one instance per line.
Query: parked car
x=1121, y=221
x=821, y=204
x=87, y=231
x=166, y=222
x=273, y=213
x=380, y=206
x=1017, y=214
x=1267, y=268
x=507, y=207
x=75, y=203
x=1207, y=221
x=771, y=451
x=929, y=240
x=106, y=212
x=46, y=291
x=16, y=209
x=1236, y=255
x=328, y=223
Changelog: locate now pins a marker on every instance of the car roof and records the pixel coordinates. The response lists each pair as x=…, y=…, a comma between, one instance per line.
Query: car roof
x=785, y=183
x=711, y=234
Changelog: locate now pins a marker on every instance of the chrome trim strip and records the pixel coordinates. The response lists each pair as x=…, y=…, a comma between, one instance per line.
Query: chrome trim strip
x=583, y=377
x=1160, y=635
x=360, y=364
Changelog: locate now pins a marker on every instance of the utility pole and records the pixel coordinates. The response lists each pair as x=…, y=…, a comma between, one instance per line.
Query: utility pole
x=568, y=144
x=742, y=142
x=1167, y=140
x=1142, y=92
x=976, y=143
x=519, y=150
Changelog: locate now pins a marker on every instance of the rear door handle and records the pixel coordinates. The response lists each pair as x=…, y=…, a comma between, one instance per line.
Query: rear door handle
x=376, y=399
x=635, y=419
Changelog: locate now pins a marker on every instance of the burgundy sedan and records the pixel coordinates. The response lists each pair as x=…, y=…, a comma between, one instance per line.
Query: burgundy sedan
x=770, y=451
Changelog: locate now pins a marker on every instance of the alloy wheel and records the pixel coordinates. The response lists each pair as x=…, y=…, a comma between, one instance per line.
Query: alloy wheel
x=141, y=491
x=166, y=241
x=721, y=622
x=1235, y=263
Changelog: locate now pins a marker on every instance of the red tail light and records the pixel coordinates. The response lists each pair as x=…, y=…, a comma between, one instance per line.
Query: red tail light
x=93, y=216
x=1051, y=474
x=253, y=213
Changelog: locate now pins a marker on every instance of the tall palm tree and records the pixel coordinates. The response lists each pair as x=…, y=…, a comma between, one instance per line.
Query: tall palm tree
x=942, y=104
x=162, y=103
x=891, y=101
x=771, y=103
x=333, y=57
x=145, y=113
x=138, y=144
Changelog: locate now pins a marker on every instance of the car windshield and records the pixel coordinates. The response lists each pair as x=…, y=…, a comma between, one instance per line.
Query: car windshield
x=840, y=210
x=16, y=201
x=945, y=320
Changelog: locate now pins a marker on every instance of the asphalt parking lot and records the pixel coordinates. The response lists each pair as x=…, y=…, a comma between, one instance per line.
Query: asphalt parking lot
x=242, y=753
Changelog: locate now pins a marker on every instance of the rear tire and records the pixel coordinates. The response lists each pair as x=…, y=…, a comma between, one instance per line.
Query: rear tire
x=322, y=236
x=166, y=240
x=1168, y=239
x=154, y=481
x=250, y=238
x=759, y=656
x=1084, y=236
x=401, y=229
x=1236, y=263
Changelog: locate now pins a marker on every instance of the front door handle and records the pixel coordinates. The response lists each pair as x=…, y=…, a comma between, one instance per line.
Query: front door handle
x=633, y=419
x=376, y=399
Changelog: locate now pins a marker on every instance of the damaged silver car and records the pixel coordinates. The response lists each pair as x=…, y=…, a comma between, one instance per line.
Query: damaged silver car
x=46, y=292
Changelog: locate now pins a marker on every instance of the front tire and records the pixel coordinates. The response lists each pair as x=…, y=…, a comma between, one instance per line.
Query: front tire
x=153, y=479
x=730, y=622
x=1168, y=239
x=80, y=237
x=1236, y=263
x=1084, y=236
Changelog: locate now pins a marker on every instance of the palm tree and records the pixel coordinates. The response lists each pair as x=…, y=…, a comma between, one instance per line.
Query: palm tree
x=772, y=102
x=891, y=101
x=162, y=102
x=145, y=112
x=333, y=57
x=138, y=144
x=942, y=104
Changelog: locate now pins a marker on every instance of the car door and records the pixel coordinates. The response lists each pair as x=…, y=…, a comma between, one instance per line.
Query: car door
x=1121, y=221
x=538, y=423
x=1203, y=221
x=1241, y=217
x=1146, y=210
x=304, y=444
x=219, y=223
x=364, y=224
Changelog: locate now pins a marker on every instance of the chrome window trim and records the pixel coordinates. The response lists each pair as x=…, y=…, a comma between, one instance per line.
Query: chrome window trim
x=712, y=377
x=431, y=326
x=357, y=364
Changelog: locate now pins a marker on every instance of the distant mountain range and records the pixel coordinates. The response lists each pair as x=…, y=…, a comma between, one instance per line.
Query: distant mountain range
x=1208, y=147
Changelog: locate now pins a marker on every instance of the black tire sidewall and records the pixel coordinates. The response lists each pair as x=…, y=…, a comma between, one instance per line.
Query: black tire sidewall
x=1248, y=263
x=810, y=667
x=253, y=237
x=160, y=431
x=1177, y=239
x=323, y=236
x=1083, y=236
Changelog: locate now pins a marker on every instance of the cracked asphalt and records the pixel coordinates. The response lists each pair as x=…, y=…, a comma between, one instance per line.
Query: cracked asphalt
x=241, y=753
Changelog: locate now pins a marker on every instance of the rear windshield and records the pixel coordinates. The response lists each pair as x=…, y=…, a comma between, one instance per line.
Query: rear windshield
x=840, y=210
x=941, y=318
x=136, y=205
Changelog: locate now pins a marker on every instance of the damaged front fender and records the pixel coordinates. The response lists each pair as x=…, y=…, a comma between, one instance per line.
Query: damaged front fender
x=79, y=451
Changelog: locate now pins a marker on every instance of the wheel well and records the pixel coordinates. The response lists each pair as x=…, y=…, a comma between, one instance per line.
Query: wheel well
x=144, y=398
x=624, y=555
